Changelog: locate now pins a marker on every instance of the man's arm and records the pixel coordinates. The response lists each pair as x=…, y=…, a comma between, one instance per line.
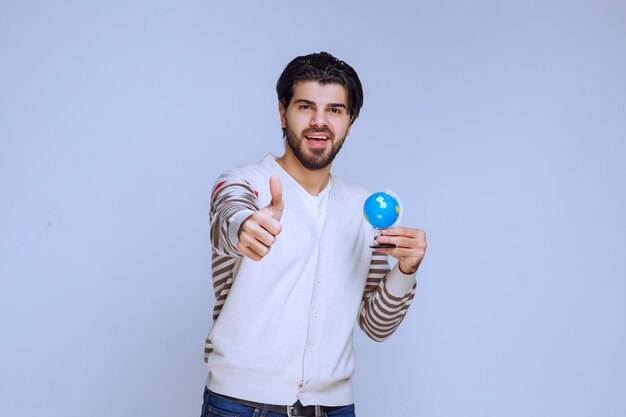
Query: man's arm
x=233, y=200
x=389, y=292
x=238, y=226
x=386, y=299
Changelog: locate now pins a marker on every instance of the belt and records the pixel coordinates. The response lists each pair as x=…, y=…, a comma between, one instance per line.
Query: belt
x=295, y=410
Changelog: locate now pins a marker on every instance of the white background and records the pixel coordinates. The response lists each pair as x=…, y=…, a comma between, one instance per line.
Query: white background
x=502, y=125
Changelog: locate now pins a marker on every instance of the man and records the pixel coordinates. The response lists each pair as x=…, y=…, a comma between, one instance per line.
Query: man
x=292, y=267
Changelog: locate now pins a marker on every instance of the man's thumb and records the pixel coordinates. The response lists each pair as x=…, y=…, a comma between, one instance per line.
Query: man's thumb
x=276, y=190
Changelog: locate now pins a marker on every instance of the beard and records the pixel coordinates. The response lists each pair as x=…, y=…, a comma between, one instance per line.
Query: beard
x=313, y=158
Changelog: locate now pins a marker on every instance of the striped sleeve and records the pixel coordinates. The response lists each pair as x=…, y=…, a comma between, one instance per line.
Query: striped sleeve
x=223, y=270
x=232, y=201
x=382, y=309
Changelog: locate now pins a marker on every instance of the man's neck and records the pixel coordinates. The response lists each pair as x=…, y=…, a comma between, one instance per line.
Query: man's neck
x=313, y=181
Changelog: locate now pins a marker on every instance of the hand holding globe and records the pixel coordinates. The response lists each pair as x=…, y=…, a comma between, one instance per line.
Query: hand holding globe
x=382, y=210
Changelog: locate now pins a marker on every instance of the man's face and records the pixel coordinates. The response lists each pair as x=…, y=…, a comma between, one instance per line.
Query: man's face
x=317, y=122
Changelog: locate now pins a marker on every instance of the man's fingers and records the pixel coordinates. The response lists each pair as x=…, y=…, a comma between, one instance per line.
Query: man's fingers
x=271, y=224
x=258, y=232
x=404, y=253
x=261, y=222
x=405, y=237
x=400, y=252
x=399, y=241
x=248, y=252
x=253, y=248
x=258, y=247
x=404, y=231
x=262, y=235
x=410, y=246
x=276, y=190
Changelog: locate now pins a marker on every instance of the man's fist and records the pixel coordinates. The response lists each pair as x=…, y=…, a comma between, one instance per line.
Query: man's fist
x=410, y=246
x=258, y=232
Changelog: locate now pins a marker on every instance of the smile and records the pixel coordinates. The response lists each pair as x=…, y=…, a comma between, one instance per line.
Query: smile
x=318, y=141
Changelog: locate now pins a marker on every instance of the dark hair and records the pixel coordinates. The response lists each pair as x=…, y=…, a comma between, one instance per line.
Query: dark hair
x=325, y=69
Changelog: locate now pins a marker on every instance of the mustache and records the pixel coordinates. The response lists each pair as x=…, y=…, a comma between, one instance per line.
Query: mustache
x=326, y=130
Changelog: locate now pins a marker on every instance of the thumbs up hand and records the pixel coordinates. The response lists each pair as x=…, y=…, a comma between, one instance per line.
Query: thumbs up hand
x=258, y=232
x=277, y=205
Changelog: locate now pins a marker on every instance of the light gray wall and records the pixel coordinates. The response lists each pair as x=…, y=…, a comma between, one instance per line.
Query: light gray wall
x=502, y=125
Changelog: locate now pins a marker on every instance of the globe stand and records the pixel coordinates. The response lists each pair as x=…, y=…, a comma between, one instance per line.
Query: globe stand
x=382, y=245
x=377, y=245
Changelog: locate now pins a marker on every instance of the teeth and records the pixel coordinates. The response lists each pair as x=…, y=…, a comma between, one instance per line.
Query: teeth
x=318, y=137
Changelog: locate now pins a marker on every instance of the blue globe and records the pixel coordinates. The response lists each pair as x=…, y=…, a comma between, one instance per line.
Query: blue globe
x=381, y=210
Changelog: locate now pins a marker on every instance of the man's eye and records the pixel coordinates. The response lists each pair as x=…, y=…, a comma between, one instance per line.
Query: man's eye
x=336, y=110
x=305, y=106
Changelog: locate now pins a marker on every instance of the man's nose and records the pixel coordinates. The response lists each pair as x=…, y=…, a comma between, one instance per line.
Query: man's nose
x=318, y=118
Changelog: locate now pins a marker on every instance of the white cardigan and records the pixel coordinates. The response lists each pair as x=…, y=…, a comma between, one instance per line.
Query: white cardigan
x=283, y=326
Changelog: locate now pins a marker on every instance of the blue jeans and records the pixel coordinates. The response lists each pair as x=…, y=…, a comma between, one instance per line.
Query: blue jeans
x=216, y=406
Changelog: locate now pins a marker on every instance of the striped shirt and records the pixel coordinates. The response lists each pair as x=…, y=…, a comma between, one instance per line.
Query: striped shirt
x=282, y=327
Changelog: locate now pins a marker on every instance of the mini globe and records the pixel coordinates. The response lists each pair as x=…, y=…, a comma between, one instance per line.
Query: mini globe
x=381, y=210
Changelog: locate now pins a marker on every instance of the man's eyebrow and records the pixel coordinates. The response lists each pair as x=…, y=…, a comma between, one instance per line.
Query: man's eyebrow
x=312, y=103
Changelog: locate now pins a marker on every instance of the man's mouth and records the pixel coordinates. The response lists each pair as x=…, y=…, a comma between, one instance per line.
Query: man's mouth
x=317, y=140
x=317, y=137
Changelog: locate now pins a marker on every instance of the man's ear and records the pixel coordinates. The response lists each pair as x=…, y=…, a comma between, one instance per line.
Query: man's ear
x=282, y=111
x=349, y=127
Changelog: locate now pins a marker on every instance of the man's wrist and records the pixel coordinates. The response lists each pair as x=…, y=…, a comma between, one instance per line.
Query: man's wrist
x=398, y=283
x=405, y=269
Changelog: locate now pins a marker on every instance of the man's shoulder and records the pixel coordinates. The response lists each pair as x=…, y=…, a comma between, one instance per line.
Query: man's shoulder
x=253, y=177
x=350, y=188
x=262, y=168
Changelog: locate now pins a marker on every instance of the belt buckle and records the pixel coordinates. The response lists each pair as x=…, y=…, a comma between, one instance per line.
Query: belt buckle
x=318, y=411
x=290, y=410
